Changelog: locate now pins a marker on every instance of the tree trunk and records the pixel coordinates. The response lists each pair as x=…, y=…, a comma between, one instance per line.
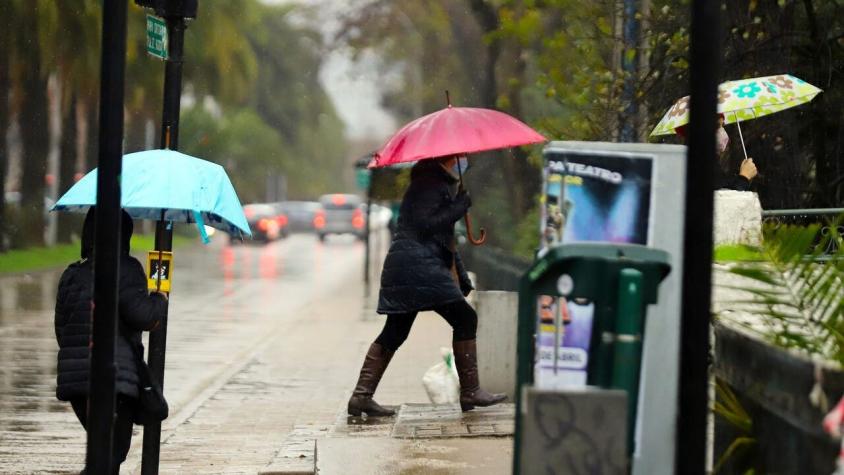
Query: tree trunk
x=526, y=178
x=88, y=161
x=68, y=222
x=521, y=179
x=5, y=83
x=34, y=131
x=824, y=166
x=487, y=18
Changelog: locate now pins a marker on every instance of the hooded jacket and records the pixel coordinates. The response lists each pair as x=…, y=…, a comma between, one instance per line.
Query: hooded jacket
x=137, y=311
x=418, y=270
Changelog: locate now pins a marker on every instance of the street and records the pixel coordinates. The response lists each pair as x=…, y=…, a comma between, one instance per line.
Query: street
x=261, y=339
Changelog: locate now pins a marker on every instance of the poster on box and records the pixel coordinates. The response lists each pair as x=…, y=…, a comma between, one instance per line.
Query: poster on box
x=589, y=196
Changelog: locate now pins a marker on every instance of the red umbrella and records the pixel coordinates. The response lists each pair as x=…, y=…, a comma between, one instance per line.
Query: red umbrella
x=455, y=131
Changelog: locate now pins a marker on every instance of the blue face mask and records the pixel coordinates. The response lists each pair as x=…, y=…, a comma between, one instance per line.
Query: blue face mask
x=461, y=162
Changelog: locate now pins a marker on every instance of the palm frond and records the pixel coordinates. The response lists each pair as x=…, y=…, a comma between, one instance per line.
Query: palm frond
x=795, y=297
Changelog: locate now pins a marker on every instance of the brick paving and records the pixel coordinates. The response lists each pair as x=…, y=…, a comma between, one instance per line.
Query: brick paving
x=420, y=421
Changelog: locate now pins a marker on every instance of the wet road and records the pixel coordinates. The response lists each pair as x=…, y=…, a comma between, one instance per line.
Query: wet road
x=224, y=303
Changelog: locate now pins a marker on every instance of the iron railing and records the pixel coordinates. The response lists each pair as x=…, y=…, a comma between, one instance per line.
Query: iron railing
x=831, y=220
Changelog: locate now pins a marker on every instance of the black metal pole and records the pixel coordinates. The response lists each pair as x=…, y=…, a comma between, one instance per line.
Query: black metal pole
x=629, y=66
x=367, y=254
x=107, y=239
x=164, y=233
x=690, y=455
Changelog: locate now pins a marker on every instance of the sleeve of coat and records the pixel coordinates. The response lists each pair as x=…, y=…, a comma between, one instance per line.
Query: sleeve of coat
x=139, y=309
x=466, y=286
x=434, y=209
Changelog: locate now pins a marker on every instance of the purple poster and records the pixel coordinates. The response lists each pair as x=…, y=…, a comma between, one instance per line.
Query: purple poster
x=589, y=197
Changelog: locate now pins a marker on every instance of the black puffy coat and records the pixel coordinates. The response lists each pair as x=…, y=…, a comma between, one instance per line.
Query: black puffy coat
x=137, y=309
x=730, y=181
x=419, y=271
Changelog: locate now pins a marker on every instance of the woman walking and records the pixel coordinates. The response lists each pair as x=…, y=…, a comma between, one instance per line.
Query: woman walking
x=423, y=272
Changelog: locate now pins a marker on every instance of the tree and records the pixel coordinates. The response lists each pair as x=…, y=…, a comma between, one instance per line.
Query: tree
x=76, y=44
x=32, y=61
x=442, y=45
x=5, y=85
x=284, y=125
x=289, y=97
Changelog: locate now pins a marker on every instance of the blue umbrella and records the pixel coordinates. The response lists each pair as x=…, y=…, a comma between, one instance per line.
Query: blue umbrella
x=170, y=186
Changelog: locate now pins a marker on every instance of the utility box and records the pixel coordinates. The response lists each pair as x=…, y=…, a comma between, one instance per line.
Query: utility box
x=619, y=193
x=620, y=280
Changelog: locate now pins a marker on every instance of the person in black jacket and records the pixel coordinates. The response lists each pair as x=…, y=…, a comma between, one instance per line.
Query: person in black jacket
x=138, y=311
x=724, y=178
x=422, y=272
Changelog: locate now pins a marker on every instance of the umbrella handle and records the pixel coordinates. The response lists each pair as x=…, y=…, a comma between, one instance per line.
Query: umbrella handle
x=481, y=239
x=741, y=137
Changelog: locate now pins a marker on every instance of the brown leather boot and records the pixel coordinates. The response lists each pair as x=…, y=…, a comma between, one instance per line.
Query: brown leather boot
x=471, y=394
x=376, y=361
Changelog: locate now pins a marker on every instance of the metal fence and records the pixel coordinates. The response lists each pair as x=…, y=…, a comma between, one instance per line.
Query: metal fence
x=831, y=221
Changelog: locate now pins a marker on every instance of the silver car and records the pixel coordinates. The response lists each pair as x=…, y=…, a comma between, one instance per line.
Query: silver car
x=340, y=214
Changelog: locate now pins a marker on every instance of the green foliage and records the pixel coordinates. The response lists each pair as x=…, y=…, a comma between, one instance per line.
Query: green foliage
x=241, y=142
x=254, y=68
x=795, y=293
x=34, y=259
x=38, y=258
x=527, y=233
x=575, y=56
x=736, y=252
x=728, y=407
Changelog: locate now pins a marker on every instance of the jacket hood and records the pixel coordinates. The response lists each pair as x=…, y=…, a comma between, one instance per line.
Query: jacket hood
x=88, y=231
x=431, y=168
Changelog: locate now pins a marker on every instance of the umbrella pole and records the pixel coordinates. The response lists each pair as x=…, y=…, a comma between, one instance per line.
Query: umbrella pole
x=482, y=238
x=741, y=137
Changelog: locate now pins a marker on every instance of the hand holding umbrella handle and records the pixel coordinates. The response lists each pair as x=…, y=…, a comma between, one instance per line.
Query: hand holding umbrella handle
x=481, y=239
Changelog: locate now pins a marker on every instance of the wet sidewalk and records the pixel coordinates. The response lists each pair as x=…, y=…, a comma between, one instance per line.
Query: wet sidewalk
x=265, y=345
x=226, y=303
x=291, y=392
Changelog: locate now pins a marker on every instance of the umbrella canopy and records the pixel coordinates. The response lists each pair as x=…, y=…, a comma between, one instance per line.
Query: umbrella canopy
x=745, y=99
x=186, y=189
x=454, y=131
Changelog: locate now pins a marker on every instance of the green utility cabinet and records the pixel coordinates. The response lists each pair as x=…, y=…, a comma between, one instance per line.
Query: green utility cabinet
x=620, y=280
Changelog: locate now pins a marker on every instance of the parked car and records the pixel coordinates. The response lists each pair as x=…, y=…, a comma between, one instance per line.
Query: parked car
x=300, y=214
x=340, y=214
x=265, y=222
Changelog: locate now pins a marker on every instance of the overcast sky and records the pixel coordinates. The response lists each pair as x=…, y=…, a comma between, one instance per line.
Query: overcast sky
x=351, y=85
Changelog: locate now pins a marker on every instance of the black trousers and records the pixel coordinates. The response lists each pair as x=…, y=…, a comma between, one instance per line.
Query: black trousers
x=460, y=315
x=124, y=416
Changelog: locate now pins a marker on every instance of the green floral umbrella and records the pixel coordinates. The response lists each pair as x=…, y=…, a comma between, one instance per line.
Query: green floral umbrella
x=745, y=99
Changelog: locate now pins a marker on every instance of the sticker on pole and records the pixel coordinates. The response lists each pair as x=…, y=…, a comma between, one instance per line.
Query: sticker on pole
x=156, y=37
x=159, y=270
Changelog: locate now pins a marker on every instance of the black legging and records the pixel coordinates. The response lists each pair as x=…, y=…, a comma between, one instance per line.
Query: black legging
x=124, y=409
x=460, y=315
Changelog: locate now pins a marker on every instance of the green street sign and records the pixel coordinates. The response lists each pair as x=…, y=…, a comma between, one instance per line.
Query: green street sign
x=156, y=37
x=363, y=178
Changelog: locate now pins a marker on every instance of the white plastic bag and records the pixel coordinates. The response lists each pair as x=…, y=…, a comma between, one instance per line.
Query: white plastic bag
x=441, y=381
